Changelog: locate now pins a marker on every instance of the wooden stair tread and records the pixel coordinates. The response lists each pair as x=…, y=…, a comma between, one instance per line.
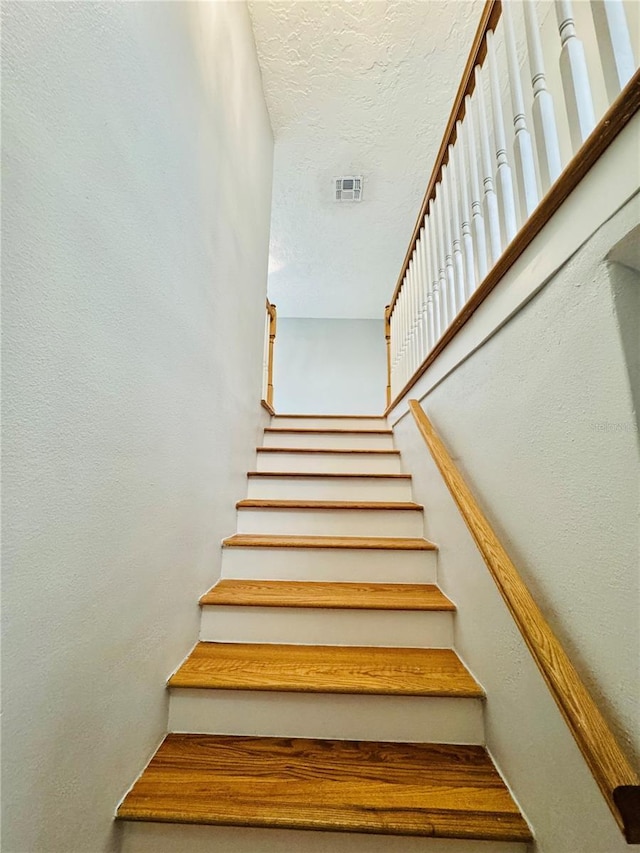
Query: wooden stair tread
x=375, y=451
x=326, y=669
x=326, y=431
x=327, y=474
x=359, y=596
x=431, y=790
x=371, y=543
x=267, y=503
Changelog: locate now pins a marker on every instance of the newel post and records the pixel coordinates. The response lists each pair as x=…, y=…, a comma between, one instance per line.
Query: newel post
x=271, y=308
x=387, y=337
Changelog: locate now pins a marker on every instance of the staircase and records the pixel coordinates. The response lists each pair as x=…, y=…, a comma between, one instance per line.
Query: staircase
x=325, y=693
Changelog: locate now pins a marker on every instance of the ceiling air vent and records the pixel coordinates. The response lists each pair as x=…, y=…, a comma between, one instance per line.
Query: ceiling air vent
x=348, y=188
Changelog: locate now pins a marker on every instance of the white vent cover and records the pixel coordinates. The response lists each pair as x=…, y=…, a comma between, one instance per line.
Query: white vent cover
x=348, y=188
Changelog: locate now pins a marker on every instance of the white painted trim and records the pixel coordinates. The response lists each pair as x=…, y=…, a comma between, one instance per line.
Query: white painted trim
x=149, y=837
x=324, y=626
x=272, y=713
x=329, y=564
x=331, y=522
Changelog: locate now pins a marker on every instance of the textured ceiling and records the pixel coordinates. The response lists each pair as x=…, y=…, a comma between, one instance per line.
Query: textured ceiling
x=361, y=88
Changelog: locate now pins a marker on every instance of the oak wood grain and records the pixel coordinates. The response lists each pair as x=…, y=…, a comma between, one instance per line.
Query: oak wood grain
x=321, y=475
x=352, y=596
x=612, y=123
x=599, y=747
x=431, y=790
x=273, y=322
x=328, y=431
x=325, y=450
x=326, y=669
x=265, y=503
x=371, y=543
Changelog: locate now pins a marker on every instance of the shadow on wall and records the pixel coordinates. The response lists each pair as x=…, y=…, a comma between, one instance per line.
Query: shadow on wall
x=327, y=366
x=624, y=279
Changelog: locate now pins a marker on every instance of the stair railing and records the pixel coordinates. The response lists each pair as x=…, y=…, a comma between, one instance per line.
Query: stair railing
x=522, y=133
x=618, y=781
x=270, y=322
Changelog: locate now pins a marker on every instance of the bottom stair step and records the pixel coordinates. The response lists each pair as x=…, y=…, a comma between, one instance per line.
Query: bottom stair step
x=435, y=791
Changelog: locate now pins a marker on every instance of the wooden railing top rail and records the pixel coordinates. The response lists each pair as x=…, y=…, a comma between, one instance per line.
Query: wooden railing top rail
x=617, y=780
x=619, y=114
x=488, y=20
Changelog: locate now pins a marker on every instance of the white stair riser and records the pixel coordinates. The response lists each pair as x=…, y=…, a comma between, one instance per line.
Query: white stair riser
x=267, y=713
x=330, y=564
x=329, y=489
x=352, y=441
x=143, y=837
x=331, y=522
x=282, y=422
x=321, y=626
x=331, y=463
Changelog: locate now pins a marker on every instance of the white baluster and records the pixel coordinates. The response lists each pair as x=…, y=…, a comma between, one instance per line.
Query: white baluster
x=503, y=172
x=575, y=77
x=395, y=335
x=408, y=298
x=419, y=299
x=422, y=298
x=477, y=218
x=392, y=332
x=454, y=189
x=452, y=307
x=400, y=329
x=412, y=315
x=407, y=312
x=491, y=212
x=433, y=277
x=522, y=144
x=614, y=43
x=428, y=295
x=544, y=118
x=403, y=322
x=465, y=213
x=392, y=354
x=407, y=326
x=443, y=308
x=416, y=305
x=407, y=316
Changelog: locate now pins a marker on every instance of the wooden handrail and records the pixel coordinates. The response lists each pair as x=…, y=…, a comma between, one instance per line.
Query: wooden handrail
x=612, y=123
x=617, y=780
x=488, y=20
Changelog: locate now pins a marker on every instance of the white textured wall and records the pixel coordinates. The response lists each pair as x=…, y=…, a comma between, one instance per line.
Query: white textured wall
x=362, y=88
x=540, y=420
x=330, y=366
x=136, y=191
